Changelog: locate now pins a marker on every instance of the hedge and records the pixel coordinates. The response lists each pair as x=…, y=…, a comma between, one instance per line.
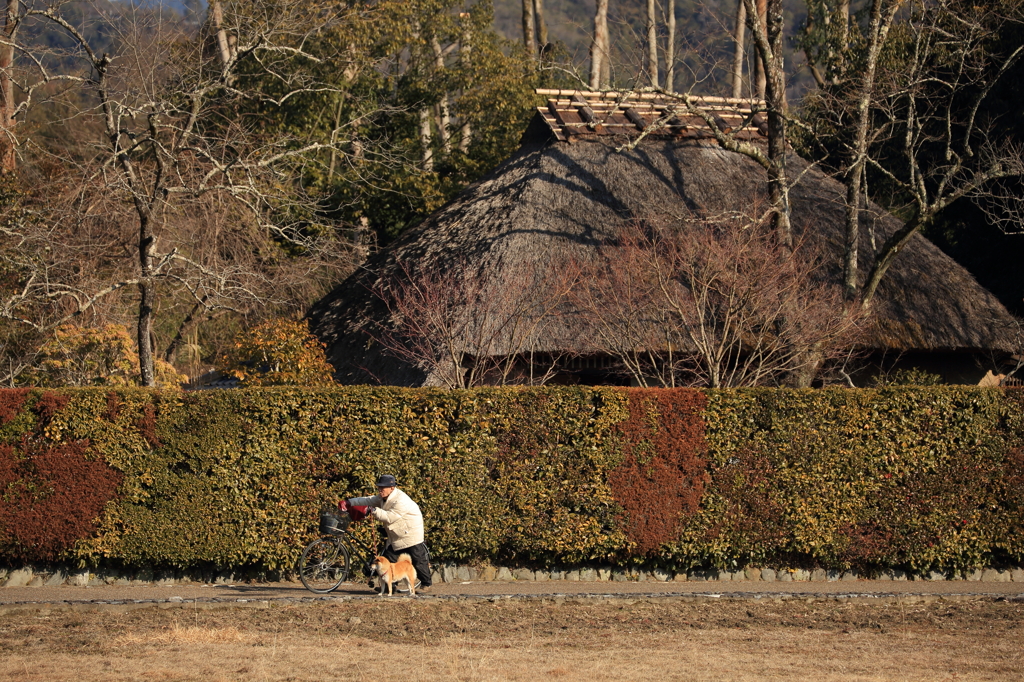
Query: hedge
x=921, y=479
x=918, y=478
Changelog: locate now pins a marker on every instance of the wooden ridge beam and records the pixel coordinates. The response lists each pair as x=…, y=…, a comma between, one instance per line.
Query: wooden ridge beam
x=624, y=97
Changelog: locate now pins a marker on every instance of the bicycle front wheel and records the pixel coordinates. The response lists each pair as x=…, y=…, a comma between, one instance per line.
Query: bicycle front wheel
x=324, y=565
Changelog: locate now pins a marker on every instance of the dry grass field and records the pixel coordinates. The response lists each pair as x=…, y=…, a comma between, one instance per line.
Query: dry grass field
x=613, y=641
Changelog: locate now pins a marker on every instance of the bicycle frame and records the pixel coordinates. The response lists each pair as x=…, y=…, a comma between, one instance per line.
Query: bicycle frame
x=324, y=568
x=369, y=550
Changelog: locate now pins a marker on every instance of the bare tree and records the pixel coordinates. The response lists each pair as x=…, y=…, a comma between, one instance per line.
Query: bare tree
x=168, y=141
x=882, y=14
x=771, y=117
x=463, y=329
x=620, y=297
x=912, y=121
x=947, y=153
x=716, y=302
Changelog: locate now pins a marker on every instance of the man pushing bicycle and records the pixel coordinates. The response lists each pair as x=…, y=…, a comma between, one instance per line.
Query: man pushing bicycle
x=403, y=522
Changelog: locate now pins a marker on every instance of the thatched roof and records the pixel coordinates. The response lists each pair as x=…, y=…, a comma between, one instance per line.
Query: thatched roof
x=556, y=200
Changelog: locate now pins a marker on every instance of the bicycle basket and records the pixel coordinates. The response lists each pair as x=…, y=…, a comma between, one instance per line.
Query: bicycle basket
x=333, y=523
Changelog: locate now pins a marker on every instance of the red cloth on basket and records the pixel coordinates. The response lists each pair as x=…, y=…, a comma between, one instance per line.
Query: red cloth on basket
x=355, y=511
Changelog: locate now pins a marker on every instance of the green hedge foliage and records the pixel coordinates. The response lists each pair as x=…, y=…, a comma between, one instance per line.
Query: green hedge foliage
x=918, y=478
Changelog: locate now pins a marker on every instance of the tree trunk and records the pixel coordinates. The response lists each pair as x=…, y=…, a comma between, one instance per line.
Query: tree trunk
x=334, y=136
x=444, y=110
x=418, y=59
x=147, y=297
x=542, y=26
x=760, y=79
x=739, y=40
x=670, y=47
x=599, y=47
x=465, y=51
x=844, y=24
x=852, y=245
x=768, y=38
x=808, y=364
x=887, y=254
x=217, y=13
x=652, y=43
x=878, y=31
x=184, y=328
x=426, y=140
x=529, y=29
x=775, y=100
x=143, y=204
x=8, y=159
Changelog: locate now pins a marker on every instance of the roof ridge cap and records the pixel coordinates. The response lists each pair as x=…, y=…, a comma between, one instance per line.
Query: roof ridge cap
x=648, y=95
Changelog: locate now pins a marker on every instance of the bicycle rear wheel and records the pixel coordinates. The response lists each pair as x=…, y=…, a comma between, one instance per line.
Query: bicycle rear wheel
x=324, y=565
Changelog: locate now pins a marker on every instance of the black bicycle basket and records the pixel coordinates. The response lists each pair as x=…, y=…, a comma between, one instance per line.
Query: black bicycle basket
x=333, y=522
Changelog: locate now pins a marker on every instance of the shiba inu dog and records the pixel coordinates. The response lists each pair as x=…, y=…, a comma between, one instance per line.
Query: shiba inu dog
x=391, y=573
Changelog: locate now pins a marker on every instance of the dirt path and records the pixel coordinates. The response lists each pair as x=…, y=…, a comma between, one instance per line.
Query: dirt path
x=567, y=638
x=294, y=591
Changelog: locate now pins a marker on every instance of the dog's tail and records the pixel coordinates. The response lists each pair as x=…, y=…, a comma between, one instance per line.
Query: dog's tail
x=405, y=557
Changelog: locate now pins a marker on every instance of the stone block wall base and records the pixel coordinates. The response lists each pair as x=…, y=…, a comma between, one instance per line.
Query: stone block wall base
x=28, y=576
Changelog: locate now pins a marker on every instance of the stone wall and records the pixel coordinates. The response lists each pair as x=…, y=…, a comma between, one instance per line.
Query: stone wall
x=27, y=576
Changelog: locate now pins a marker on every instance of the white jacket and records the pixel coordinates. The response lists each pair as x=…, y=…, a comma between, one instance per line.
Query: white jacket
x=400, y=515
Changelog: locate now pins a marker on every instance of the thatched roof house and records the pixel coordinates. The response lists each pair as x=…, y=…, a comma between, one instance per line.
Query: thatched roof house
x=569, y=188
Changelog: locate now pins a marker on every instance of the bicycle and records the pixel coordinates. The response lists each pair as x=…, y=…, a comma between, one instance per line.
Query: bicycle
x=327, y=562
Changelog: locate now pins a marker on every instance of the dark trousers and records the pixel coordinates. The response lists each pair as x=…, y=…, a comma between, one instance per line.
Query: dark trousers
x=418, y=554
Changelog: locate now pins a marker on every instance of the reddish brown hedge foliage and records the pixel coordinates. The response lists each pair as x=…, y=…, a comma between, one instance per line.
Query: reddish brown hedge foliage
x=113, y=407
x=52, y=495
x=50, y=404
x=11, y=402
x=661, y=478
x=753, y=515
x=922, y=510
x=147, y=425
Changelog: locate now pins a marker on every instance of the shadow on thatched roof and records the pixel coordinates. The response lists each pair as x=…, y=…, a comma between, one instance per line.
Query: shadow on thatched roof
x=554, y=202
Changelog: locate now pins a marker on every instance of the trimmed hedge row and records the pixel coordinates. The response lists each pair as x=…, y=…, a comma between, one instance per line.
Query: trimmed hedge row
x=909, y=478
x=915, y=478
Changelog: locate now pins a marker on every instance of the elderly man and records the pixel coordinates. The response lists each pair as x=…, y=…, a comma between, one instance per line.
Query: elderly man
x=404, y=524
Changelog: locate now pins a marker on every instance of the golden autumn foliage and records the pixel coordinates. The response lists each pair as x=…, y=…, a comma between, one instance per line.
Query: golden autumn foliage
x=279, y=353
x=95, y=356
